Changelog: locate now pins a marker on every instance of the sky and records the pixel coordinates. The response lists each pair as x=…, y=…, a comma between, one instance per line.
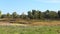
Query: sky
x=20, y=6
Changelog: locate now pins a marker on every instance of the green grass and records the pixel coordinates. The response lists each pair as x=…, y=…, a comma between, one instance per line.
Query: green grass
x=30, y=30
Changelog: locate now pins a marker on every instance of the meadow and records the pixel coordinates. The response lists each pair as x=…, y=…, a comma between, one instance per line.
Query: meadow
x=29, y=29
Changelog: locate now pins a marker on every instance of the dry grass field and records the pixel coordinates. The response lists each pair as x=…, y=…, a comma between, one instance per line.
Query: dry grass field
x=30, y=27
x=32, y=23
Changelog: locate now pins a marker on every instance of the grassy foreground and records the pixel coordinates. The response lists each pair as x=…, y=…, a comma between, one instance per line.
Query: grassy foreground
x=29, y=29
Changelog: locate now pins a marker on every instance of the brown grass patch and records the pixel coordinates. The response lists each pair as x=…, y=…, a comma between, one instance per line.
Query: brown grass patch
x=47, y=23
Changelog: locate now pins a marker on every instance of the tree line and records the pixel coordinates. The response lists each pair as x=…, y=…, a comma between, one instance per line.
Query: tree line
x=33, y=14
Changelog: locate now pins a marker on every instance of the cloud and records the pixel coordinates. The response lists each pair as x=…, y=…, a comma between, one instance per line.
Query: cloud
x=49, y=1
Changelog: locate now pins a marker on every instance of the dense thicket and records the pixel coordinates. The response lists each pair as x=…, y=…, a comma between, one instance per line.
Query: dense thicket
x=34, y=14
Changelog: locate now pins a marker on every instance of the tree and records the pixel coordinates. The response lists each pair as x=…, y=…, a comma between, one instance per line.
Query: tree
x=30, y=14
x=46, y=14
x=39, y=14
x=8, y=15
x=3, y=16
x=0, y=14
x=23, y=16
x=35, y=14
x=14, y=15
x=53, y=15
x=59, y=13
